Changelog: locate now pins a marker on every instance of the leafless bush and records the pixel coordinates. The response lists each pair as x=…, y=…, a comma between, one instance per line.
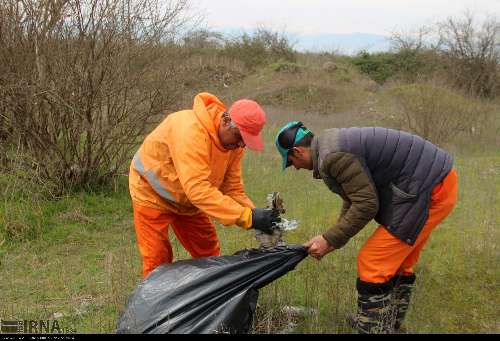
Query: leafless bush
x=261, y=48
x=464, y=51
x=419, y=39
x=203, y=40
x=80, y=80
x=433, y=111
x=472, y=52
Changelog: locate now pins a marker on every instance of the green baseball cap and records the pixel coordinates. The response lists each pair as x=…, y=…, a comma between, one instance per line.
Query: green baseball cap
x=288, y=136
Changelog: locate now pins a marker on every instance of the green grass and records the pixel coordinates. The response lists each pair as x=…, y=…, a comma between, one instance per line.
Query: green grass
x=83, y=261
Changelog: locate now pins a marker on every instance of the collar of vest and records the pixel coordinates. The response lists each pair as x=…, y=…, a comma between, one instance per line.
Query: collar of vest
x=315, y=157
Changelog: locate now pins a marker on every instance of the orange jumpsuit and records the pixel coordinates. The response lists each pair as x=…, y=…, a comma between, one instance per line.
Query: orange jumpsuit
x=180, y=176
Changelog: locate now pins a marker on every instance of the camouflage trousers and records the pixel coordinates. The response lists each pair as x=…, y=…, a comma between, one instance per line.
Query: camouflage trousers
x=382, y=307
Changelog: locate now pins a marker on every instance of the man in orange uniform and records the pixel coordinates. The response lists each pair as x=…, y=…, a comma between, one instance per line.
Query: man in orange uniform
x=189, y=169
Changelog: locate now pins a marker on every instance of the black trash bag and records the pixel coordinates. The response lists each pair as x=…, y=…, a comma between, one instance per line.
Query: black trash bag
x=208, y=295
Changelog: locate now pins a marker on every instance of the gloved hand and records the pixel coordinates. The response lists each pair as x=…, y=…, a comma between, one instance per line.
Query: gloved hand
x=263, y=219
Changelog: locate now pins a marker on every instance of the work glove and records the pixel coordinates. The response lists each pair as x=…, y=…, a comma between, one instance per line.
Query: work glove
x=263, y=219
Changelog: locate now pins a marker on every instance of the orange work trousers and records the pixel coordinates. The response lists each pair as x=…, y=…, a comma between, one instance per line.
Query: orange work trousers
x=383, y=256
x=196, y=233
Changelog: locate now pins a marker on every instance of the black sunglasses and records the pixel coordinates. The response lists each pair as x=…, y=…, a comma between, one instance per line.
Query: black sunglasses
x=287, y=137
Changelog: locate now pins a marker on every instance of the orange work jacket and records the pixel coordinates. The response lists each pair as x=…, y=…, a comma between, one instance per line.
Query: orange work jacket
x=182, y=167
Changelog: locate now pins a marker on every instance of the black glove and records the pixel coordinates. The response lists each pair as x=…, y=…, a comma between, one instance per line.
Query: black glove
x=263, y=219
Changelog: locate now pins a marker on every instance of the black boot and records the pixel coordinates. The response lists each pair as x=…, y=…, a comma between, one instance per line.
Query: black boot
x=403, y=286
x=375, y=312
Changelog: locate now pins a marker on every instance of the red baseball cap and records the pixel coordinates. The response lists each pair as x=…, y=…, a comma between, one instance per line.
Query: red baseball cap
x=250, y=119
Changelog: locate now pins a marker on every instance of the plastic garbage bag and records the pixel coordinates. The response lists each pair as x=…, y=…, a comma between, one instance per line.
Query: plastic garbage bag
x=207, y=295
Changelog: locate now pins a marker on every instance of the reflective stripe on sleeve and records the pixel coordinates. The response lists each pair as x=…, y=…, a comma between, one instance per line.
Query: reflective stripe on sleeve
x=152, y=179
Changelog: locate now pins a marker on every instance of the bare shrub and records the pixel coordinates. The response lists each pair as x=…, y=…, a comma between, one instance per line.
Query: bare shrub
x=81, y=79
x=261, y=48
x=432, y=111
x=463, y=51
x=416, y=54
x=472, y=52
x=417, y=39
x=203, y=41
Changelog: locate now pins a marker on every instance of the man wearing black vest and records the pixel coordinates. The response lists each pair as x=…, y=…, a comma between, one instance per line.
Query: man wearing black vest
x=404, y=182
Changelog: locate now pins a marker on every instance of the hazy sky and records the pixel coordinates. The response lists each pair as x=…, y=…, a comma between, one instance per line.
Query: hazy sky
x=337, y=16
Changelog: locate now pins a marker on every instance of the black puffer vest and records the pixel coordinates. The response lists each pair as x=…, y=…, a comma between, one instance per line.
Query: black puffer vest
x=404, y=169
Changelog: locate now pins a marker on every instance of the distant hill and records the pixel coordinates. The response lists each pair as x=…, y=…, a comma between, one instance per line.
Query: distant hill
x=348, y=43
x=345, y=43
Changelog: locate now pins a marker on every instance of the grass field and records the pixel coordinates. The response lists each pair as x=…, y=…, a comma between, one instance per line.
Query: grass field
x=83, y=262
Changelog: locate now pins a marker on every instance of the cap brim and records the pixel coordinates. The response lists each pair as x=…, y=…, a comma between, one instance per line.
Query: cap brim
x=284, y=162
x=253, y=142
